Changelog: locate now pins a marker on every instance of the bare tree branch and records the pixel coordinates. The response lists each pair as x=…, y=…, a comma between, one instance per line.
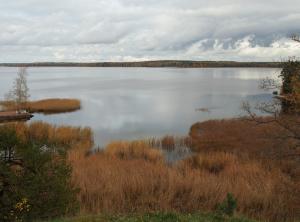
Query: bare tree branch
x=296, y=38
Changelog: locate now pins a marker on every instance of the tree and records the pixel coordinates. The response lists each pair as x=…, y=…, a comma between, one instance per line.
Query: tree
x=20, y=91
x=284, y=109
x=290, y=90
x=8, y=196
x=35, y=183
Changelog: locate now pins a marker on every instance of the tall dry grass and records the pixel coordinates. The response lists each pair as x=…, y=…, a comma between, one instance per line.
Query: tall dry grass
x=170, y=143
x=126, y=178
x=133, y=177
x=267, y=142
x=241, y=136
x=133, y=150
x=47, y=106
x=42, y=132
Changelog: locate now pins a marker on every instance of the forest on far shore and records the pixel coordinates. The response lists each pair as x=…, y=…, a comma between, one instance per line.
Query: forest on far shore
x=159, y=63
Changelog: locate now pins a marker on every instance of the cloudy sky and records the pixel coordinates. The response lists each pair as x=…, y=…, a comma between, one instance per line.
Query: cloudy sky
x=131, y=30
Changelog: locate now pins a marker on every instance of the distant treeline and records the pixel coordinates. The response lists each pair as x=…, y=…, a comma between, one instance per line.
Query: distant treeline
x=161, y=63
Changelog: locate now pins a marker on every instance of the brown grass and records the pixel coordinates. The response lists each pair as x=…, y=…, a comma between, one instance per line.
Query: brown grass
x=47, y=106
x=133, y=150
x=50, y=134
x=110, y=183
x=132, y=177
x=247, y=140
x=240, y=136
x=170, y=143
x=214, y=162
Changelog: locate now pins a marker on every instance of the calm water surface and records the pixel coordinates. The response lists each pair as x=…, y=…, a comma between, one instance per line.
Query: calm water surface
x=133, y=103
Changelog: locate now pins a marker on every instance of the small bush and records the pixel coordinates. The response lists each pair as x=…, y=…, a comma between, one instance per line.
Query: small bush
x=228, y=206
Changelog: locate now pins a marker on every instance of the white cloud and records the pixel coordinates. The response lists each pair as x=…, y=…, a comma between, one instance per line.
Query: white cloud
x=118, y=30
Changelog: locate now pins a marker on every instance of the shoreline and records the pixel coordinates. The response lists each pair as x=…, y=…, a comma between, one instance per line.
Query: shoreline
x=152, y=64
x=6, y=116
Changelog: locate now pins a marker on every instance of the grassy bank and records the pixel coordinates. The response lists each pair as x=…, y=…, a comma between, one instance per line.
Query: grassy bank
x=157, y=217
x=46, y=106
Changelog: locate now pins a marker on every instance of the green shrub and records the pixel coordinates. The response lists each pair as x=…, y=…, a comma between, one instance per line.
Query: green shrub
x=228, y=206
x=290, y=70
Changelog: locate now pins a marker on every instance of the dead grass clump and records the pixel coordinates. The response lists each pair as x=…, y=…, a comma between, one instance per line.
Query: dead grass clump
x=133, y=150
x=212, y=162
x=46, y=106
x=241, y=137
x=170, y=143
x=269, y=143
x=41, y=132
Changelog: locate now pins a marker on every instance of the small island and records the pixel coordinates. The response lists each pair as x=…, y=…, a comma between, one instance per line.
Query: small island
x=45, y=106
x=17, y=106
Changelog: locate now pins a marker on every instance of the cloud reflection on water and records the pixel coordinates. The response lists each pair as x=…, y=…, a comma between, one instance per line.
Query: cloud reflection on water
x=132, y=103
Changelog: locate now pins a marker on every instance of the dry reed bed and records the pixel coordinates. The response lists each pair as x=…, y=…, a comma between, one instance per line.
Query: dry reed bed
x=247, y=140
x=133, y=150
x=47, y=106
x=41, y=132
x=133, y=177
x=239, y=136
x=170, y=143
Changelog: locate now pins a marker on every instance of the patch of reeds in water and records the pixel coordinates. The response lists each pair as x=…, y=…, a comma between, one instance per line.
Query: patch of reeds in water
x=46, y=106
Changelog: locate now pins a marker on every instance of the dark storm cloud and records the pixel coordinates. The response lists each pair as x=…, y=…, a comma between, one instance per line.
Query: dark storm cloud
x=117, y=30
